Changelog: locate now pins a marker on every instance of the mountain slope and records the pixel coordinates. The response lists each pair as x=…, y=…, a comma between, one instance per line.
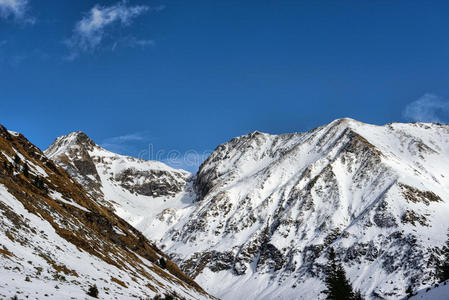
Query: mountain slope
x=56, y=242
x=268, y=207
x=437, y=292
x=146, y=194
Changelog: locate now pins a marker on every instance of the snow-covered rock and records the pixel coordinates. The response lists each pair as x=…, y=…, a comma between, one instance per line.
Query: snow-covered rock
x=147, y=194
x=436, y=292
x=56, y=241
x=267, y=208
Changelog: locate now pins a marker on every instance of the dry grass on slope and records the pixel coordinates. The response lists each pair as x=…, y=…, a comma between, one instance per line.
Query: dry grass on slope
x=86, y=224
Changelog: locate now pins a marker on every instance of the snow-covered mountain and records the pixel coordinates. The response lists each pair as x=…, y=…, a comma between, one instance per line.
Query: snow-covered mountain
x=56, y=241
x=259, y=217
x=437, y=292
x=146, y=194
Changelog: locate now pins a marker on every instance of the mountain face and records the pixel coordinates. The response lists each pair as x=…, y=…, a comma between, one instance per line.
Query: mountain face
x=145, y=193
x=437, y=292
x=57, y=241
x=94, y=166
x=258, y=219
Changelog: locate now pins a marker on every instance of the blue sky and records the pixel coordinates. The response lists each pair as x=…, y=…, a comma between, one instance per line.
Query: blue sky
x=189, y=75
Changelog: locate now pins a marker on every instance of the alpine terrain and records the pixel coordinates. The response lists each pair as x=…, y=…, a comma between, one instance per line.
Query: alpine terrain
x=58, y=242
x=437, y=292
x=258, y=219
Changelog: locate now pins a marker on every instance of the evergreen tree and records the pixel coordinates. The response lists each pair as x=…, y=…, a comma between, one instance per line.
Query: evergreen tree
x=162, y=263
x=93, y=291
x=443, y=268
x=338, y=286
x=409, y=291
x=166, y=297
x=39, y=183
x=358, y=295
x=16, y=160
x=26, y=170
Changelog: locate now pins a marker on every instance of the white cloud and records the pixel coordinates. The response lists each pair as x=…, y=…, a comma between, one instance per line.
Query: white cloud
x=189, y=160
x=16, y=9
x=140, y=145
x=125, y=144
x=131, y=41
x=91, y=31
x=126, y=138
x=428, y=108
x=141, y=43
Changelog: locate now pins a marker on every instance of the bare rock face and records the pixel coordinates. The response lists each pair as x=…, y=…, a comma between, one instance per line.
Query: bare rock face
x=154, y=183
x=73, y=155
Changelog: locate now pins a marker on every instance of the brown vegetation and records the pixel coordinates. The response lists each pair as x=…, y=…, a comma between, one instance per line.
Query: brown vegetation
x=92, y=230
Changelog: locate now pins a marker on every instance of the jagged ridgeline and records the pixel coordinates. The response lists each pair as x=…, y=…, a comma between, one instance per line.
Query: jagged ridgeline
x=57, y=241
x=259, y=217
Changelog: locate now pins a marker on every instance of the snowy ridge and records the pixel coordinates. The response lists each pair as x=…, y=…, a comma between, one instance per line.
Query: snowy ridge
x=437, y=292
x=147, y=194
x=268, y=207
x=56, y=242
x=76, y=140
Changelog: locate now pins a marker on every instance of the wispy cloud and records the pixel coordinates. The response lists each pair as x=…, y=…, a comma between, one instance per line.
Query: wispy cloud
x=189, y=160
x=16, y=9
x=428, y=108
x=125, y=144
x=132, y=42
x=140, y=145
x=96, y=27
x=126, y=138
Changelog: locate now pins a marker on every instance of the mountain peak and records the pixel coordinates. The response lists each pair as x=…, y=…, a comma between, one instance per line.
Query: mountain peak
x=68, y=238
x=347, y=122
x=77, y=139
x=371, y=192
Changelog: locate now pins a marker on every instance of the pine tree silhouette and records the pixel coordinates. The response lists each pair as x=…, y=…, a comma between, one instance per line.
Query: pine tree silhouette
x=93, y=291
x=443, y=268
x=338, y=286
x=39, y=183
x=16, y=160
x=409, y=291
x=358, y=295
x=162, y=263
x=26, y=170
